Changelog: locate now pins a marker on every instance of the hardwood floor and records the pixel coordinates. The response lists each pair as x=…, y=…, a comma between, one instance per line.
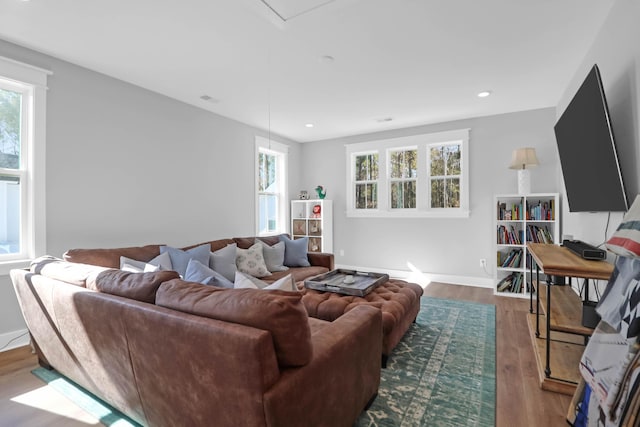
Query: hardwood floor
x=24, y=401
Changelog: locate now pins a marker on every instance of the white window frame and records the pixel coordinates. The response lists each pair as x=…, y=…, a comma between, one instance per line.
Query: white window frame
x=265, y=145
x=423, y=206
x=32, y=82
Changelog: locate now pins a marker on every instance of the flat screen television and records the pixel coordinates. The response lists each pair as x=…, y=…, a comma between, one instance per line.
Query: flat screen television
x=587, y=151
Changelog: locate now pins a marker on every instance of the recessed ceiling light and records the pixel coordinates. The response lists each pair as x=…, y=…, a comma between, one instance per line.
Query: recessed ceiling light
x=327, y=59
x=309, y=125
x=484, y=94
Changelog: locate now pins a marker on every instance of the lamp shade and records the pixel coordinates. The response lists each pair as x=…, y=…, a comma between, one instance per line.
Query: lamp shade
x=523, y=158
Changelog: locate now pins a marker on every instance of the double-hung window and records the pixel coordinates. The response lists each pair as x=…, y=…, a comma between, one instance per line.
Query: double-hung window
x=366, y=180
x=271, y=179
x=403, y=172
x=22, y=135
x=414, y=176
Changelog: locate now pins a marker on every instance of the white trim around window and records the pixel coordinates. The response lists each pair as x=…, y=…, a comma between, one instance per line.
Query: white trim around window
x=31, y=81
x=422, y=144
x=281, y=151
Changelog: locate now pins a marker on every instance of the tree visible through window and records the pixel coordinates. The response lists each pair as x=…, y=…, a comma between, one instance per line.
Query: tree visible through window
x=366, y=181
x=403, y=165
x=10, y=147
x=445, y=175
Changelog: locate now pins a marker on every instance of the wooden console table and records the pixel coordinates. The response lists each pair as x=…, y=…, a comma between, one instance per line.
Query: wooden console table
x=564, y=316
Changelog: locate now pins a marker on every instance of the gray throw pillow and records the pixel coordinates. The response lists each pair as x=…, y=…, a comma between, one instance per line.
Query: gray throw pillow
x=273, y=256
x=224, y=261
x=180, y=259
x=198, y=272
x=295, y=251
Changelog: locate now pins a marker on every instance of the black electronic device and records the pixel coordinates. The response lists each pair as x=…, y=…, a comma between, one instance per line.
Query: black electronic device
x=585, y=250
x=587, y=151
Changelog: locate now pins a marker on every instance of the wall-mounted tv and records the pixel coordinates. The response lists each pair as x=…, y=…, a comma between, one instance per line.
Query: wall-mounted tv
x=587, y=151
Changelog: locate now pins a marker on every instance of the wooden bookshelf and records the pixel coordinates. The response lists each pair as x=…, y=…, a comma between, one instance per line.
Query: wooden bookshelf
x=519, y=220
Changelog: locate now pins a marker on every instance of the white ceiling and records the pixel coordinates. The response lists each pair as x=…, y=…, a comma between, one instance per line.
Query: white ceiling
x=415, y=61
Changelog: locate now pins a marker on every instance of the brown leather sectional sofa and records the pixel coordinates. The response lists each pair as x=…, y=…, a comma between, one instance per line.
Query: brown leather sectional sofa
x=199, y=355
x=168, y=352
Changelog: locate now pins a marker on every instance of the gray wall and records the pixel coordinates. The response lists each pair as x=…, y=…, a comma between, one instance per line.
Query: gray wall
x=450, y=247
x=617, y=52
x=126, y=166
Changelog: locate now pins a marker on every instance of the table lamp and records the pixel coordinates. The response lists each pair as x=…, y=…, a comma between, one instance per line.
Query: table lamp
x=521, y=159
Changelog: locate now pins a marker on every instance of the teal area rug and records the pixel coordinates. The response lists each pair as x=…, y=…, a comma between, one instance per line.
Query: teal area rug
x=443, y=372
x=107, y=415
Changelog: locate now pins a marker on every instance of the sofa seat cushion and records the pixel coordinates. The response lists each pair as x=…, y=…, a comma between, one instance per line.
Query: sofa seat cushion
x=279, y=312
x=394, y=298
x=298, y=273
x=137, y=286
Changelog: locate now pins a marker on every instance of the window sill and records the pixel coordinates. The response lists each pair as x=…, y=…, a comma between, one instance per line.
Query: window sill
x=457, y=213
x=7, y=266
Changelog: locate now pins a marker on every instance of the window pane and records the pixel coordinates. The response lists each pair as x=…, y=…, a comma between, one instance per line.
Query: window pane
x=9, y=215
x=453, y=159
x=366, y=167
x=437, y=193
x=403, y=195
x=452, y=193
x=404, y=164
x=267, y=176
x=367, y=196
x=10, y=107
x=268, y=212
x=437, y=161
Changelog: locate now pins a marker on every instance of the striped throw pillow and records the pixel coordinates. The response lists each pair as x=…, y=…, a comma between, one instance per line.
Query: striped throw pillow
x=626, y=240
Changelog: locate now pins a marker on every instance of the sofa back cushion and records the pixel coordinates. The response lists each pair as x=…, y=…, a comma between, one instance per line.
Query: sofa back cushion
x=111, y=257
x=247, y=242
x=137, y=286
x=214, y=244
x=279, y=312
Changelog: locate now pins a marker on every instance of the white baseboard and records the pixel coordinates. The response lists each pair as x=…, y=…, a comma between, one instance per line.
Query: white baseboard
x=14, y=339
x=424, y=278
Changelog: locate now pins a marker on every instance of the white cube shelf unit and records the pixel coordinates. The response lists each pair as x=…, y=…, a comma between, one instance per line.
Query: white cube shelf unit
x=313, y=219
x=520, y=219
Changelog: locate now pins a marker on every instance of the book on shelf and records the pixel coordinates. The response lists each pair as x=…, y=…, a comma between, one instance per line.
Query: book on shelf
x=510, y=212
x=512, y=259
x=509, y=236
x=543, y=210
x=538, y=234
x=511, y=283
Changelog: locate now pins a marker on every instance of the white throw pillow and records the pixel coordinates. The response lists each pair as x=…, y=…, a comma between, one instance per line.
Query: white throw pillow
x=244, y=281
x=251, y=261
x=161, y=262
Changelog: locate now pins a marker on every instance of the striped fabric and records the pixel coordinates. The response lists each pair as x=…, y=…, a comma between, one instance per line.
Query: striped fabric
x=626, y=240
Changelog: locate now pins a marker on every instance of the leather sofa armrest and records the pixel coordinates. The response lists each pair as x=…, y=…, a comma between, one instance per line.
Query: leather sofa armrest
x=343, y=375
x=321, y=259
